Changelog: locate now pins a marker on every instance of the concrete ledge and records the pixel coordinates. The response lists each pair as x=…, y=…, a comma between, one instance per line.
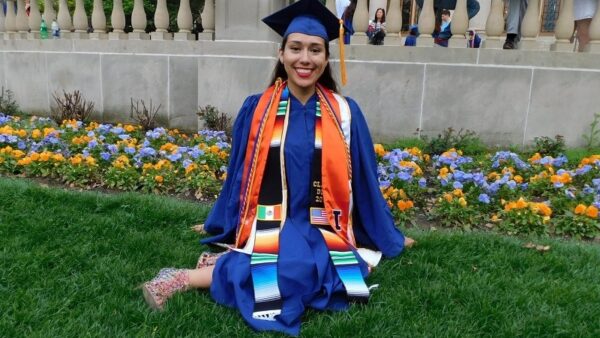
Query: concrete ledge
x=507, y=97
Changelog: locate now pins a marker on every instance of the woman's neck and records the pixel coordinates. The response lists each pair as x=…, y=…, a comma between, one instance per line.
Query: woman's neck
x=303, y=94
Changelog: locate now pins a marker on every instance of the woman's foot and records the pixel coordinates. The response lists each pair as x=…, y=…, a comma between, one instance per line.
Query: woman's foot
x=164, y=285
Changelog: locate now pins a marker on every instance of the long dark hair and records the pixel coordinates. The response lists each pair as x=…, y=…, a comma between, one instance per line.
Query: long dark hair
x=325, y=80
x=382, y=17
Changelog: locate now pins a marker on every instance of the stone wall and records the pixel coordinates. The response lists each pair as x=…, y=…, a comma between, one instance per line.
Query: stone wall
x=508, y=97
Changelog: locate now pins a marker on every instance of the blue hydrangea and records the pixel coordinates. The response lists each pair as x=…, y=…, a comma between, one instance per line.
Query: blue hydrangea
x=484, y=198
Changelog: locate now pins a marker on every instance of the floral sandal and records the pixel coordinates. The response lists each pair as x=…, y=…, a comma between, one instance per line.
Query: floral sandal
x=209, y=259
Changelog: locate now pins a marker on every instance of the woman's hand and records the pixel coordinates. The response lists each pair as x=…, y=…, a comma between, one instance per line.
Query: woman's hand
x=409, y=242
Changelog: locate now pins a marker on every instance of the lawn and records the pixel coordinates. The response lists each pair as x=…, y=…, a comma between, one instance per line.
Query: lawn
x=71, y=264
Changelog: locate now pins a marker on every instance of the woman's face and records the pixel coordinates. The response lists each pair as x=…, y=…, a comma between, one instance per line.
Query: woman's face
x=379, y=14
x=304, y=58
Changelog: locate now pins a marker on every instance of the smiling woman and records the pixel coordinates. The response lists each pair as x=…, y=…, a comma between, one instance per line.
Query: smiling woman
x=301, y=207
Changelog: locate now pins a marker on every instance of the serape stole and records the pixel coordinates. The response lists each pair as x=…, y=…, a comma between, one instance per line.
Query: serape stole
x=264, y=201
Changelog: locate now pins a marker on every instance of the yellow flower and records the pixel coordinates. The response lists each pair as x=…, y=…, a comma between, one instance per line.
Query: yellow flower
x=443, y=172
x=448, y=197
x=129, y=128
x=462, y=201
x=190, y=168
x=45, y=156
x=58, y=157
x=518, y=179
x=90, y=161
x=580, y=209
x=34, y=156
x=76, y=160
x=521, y=203
x=214, y=149
x=17, y=154
x=495, y=218
x=24, y=161
x=159, y=179
x=379, y=150
x=458, y=193
x=591, y=212
x=22, y=133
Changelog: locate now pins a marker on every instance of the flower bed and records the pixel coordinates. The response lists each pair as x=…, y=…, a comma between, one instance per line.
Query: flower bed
x=541, y=195
x=122, y=157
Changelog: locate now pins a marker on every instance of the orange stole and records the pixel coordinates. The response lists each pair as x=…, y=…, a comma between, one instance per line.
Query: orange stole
x=336, y=172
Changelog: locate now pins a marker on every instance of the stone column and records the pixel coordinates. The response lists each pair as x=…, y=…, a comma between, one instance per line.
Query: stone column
x=117, y=20
x=494, y=27
x=478, y=21
x=10, y=24
x=360, y=22
x=64, y=19
x=564, y=28
x=394, y=23
x=80, y=21
x=594, y=45
x=21, y=23
x=138, y=22
x=530, y=27
x=98, y=21
x=2, y=25
x=184, y=21
x=161, y=21
x=49, y=13
x=460, y=23
x=34, y=21
x=208, y=21
x=426, y=24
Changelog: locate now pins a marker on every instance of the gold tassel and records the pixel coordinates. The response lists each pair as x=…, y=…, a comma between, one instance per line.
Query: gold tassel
x=342, y=61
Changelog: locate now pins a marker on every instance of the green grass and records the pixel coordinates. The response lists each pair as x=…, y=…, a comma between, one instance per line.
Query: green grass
x=71, y=264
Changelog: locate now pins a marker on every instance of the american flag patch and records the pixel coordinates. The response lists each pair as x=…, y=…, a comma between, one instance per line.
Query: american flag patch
x=318, y=216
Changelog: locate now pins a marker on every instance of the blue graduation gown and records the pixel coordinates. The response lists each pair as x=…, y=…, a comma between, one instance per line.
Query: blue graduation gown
x=306, y=275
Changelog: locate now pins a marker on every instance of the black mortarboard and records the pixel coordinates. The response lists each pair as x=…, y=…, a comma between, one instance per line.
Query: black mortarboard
x=308, y=17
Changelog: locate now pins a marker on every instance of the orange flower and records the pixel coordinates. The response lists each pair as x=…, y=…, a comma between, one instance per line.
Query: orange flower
x=518, y=179
x=443, y=172
x=405, y=205
x=544, y=210
x=521, y=204
x=457, y=192
x=58, y=157
x=580, y=209
x=159, y=179
x=45, y=156
x=448, y=197
x=591, y=212
x=535, y=157
x=24, y=161
x=379, y=150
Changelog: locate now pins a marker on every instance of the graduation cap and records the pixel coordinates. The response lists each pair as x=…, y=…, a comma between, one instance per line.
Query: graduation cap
x=309, y=17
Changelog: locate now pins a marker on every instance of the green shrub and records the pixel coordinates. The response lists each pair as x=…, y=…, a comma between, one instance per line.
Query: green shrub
x=215, y=120
x=8, y=105
x=465, y=140
x=548, y=146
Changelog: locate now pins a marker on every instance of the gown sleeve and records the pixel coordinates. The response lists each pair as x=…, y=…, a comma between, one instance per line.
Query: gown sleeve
x=223, y=219
x=373, y=223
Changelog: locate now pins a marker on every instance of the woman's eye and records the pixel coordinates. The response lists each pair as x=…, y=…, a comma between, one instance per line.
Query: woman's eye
x=316, y=50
